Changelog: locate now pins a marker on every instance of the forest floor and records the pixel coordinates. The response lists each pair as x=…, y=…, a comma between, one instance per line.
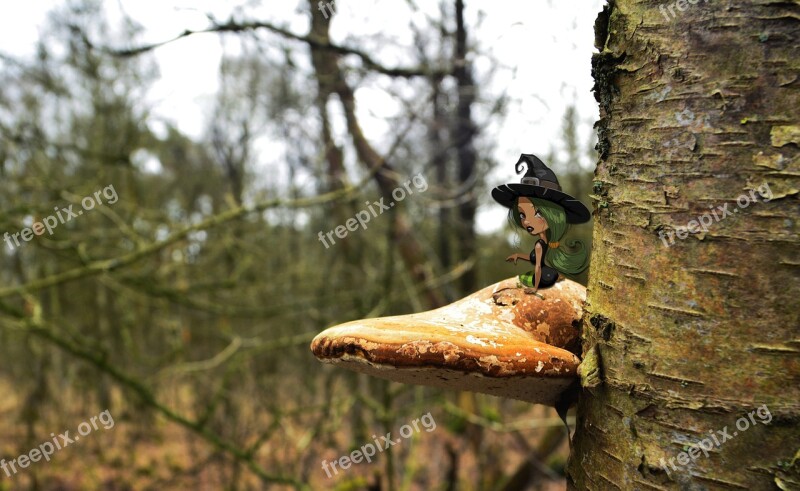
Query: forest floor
x=158, y=455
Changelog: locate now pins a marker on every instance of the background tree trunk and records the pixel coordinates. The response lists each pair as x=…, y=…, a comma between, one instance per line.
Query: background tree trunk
x=464, y=136
x=699, y=109
x=387, y=179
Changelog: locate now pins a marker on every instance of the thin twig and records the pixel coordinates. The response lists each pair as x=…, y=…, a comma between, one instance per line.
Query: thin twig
x=232, y=26
x=41, y=330
x=108, y=265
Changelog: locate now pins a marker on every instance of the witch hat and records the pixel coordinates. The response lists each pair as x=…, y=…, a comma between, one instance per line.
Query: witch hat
x=540, y=182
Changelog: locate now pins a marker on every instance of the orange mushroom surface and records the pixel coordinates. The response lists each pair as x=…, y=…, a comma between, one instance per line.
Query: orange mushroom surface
x=500, y=341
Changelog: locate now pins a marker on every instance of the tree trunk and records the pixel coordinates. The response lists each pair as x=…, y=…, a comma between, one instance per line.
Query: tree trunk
x=691, y=346
x=408, y=245
x=325, y=69
x=438, y=150
x=464, y=136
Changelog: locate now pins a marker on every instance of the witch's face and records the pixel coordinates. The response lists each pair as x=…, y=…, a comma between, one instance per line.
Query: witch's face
x=531, y=219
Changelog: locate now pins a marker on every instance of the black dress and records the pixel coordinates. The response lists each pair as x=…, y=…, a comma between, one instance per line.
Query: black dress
x=549, y=275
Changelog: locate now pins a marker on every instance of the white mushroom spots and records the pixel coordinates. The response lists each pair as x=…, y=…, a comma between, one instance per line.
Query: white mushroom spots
x=499, y=341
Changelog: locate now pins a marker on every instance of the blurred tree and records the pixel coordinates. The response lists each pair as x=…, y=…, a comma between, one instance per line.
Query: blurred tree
x=193, y=297
x=463, y=140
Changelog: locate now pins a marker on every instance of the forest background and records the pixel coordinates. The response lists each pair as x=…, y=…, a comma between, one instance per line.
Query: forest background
x=184, y=304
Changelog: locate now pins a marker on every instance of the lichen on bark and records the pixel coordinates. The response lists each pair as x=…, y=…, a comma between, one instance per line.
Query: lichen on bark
x=687, y=335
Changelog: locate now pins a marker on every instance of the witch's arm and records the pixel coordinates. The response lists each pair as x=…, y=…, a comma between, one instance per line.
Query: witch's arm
x=515, y=257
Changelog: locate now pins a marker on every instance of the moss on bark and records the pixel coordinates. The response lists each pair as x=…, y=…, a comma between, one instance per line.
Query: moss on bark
x=693, y=327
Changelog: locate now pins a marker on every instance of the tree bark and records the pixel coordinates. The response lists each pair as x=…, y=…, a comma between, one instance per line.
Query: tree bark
x=684, y=338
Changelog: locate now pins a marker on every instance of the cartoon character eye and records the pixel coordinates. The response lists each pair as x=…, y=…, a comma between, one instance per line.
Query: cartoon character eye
x=538, y=215
x=521, y=216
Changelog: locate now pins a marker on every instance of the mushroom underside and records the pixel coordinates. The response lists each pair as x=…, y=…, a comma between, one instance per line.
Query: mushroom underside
x=541, y=390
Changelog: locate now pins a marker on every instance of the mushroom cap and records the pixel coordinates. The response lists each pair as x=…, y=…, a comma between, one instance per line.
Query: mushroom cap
x=499, y=341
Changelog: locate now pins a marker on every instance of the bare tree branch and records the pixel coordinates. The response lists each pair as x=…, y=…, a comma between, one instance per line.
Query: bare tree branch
x=313, y=41
x=108, y=265
x=48, y=333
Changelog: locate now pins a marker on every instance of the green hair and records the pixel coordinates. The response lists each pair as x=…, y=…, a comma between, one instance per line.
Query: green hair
x=570, y=258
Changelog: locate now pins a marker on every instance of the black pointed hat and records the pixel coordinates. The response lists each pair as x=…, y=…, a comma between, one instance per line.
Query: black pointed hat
x=540, y=182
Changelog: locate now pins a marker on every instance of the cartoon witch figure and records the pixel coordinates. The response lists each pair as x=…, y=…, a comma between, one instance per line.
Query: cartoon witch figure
x=538, y=205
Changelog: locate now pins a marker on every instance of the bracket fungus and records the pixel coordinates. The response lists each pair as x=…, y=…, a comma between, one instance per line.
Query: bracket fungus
x=500, y=340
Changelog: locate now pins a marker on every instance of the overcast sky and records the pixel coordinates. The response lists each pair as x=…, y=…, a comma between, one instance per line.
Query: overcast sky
x=544, y=46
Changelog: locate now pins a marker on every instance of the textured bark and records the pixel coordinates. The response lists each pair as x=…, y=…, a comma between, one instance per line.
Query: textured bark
x=682, y=341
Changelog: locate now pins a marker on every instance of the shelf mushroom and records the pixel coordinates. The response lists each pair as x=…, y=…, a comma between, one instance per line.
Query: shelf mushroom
x=500, y=340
